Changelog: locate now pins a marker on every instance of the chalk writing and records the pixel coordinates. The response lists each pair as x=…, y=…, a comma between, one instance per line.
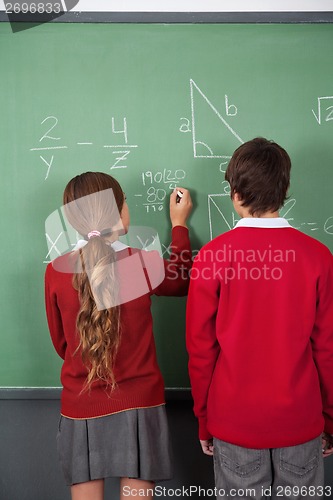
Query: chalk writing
x=49, y=165
x=197, y=96
x=230, y=109
x=119, y=159
x=324, y=112
x=120, y=152
x=46, y=136
x=328, y=226
x=52, y=244
x=164, y=176
x=158, y=184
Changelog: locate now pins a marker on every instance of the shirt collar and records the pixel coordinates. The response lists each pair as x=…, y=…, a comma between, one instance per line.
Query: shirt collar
x=116, y=245
x=263, y=222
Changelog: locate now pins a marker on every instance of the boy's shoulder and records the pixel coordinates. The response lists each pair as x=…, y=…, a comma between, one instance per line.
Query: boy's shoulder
x=310, y=243
x=293, y=237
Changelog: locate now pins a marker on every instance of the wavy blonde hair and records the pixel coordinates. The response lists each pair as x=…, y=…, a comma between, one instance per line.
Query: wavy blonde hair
x=98, y=319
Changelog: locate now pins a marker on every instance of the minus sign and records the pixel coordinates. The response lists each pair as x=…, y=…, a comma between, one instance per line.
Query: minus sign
x=84, y=143
x=138, y=195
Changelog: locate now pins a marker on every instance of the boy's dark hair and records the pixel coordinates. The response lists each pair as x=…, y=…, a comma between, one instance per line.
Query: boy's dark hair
x=259, y=171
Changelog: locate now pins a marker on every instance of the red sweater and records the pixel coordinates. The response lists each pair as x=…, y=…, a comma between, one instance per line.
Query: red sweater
x=139, y=380
x=260, y=336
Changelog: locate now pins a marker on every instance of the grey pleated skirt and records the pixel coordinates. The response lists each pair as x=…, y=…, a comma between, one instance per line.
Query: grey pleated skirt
x=133, y=443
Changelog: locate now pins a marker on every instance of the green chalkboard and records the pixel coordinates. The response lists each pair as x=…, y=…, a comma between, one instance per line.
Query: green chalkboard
x=153, y=105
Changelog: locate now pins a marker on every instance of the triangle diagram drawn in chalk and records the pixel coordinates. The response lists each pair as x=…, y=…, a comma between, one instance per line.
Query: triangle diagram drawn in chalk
x=212, y=135
x=221, y=216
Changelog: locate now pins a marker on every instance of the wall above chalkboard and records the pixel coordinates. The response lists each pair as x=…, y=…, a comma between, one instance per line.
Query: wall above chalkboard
x=156, y=106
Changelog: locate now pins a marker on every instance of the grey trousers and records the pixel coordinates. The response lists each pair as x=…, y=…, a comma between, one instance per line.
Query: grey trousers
x=295, y=472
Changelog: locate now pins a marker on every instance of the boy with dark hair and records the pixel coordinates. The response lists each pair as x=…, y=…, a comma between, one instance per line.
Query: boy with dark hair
x=260, y=340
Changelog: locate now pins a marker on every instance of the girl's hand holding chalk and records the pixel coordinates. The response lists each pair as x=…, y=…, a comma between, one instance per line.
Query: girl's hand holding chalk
x=180, y=206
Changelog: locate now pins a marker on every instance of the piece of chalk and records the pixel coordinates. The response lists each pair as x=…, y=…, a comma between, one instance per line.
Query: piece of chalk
x=179, y=196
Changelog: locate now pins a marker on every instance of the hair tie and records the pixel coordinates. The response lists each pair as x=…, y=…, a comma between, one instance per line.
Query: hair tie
x=93, y=234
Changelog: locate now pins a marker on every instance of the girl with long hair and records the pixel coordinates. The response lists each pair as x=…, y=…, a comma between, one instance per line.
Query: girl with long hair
x=98, y=298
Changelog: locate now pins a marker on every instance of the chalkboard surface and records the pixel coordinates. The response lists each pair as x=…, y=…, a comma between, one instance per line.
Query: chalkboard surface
x=155, y=106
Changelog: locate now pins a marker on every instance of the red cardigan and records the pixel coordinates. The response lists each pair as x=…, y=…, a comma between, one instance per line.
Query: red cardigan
x=139, y=380
x=260, y=336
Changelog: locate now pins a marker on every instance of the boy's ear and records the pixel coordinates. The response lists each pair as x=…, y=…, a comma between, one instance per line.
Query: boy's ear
x=236, y=196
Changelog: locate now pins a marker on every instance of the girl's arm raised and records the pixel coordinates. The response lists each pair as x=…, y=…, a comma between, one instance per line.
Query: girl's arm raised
x=177, y=267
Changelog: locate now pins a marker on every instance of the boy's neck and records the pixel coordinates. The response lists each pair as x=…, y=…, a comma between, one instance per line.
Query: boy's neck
x=266, y=215
x=245, y=211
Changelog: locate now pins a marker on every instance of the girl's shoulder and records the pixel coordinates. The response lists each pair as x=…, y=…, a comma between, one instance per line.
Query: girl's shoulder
x=63, y=264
